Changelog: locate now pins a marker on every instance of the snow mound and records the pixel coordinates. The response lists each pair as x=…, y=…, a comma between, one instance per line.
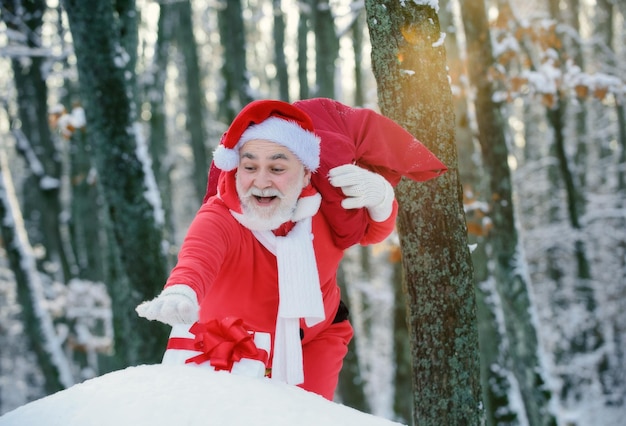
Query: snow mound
x=160, y=395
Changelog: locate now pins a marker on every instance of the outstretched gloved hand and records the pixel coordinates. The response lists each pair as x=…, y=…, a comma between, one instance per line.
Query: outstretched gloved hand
x=177, y=304
x=364, y=189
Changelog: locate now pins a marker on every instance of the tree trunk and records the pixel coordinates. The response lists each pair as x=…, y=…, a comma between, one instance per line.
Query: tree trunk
x=605, y=19
x=37, y=321
x=125, y=179
x=403, y=398
x=356, y=30
x=350, y=386
x=158, y=140
x=127, y=25
x=304, y=17
x=88, y=235
x=235, y=94
x=282, y=77
x=194, y=97
x=42, y=207
x=582, y=134
x=512, y=286
x=495, y=387
x=410, y=67
x=326, y=48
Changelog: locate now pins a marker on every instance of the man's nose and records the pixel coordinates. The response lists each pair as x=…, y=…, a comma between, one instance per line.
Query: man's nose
x=263, y=179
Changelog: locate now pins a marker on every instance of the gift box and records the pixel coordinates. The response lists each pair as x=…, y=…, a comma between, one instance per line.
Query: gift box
x=226, y=344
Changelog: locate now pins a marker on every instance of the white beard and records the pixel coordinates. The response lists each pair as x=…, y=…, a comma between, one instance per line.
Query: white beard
x=259, y=219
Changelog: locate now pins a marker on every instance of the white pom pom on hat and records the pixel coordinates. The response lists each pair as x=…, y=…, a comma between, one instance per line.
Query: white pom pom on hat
x=275, y=121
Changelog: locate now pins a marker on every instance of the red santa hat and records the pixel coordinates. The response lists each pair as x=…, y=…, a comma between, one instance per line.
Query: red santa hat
x=275, y=121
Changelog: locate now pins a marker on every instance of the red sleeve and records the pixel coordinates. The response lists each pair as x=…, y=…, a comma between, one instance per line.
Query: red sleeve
x=203, y=250
x=378, y=231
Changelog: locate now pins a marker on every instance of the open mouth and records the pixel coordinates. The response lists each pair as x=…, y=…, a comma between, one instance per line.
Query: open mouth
x=264, y=200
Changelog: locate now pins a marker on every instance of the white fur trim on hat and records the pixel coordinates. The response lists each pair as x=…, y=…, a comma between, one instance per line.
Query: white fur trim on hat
x=225, y=158
x=304, y=144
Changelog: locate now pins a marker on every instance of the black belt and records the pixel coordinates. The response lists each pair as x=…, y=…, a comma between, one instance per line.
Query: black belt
x=341, y=315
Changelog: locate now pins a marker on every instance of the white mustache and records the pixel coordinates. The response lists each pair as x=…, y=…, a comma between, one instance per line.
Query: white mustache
x=268, y=192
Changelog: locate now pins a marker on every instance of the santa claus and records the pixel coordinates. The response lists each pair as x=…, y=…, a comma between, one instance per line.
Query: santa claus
x=291, y=187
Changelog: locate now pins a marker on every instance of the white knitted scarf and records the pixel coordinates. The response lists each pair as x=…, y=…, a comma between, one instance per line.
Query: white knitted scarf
x=300, y=295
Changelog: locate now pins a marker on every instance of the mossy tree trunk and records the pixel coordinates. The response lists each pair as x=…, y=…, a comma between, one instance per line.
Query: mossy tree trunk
x=125, y=179
x=409, y=63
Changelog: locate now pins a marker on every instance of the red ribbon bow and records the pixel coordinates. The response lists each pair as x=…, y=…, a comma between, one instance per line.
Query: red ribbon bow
x=224, y=342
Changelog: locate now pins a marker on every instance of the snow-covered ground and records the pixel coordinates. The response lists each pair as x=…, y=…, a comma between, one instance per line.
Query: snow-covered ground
x=167, y=395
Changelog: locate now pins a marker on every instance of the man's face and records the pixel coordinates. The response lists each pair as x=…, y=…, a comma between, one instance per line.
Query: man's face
x=269, y=181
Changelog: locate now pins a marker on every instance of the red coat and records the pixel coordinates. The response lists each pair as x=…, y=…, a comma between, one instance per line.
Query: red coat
x=235, y=275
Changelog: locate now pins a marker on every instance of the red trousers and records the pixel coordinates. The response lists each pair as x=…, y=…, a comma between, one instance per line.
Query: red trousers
x=323, y=359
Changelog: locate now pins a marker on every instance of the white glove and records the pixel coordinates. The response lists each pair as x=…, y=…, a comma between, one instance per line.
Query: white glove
x=364, y=189
x=177, y=304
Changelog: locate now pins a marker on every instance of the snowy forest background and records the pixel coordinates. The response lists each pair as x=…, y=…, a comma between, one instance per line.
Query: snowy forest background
x=538, y=96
